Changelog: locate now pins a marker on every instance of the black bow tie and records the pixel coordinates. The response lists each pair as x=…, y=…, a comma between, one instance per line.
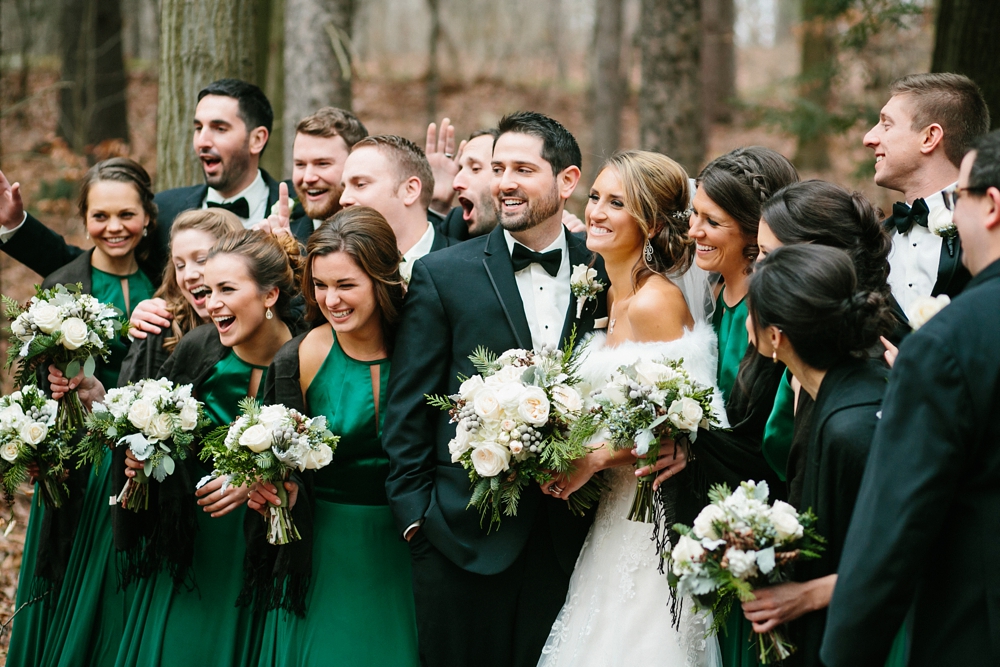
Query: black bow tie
x=239, y=206
x=522, y=258
x=904, y=217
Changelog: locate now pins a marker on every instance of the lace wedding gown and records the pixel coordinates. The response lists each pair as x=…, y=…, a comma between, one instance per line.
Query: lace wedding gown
x=617, y=609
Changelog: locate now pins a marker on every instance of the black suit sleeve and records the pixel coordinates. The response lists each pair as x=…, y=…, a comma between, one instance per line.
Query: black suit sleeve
x=39, y=248
x=912, y=473
x=420, y=364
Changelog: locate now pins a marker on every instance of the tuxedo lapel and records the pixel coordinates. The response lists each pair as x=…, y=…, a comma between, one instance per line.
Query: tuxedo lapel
x=592, y=309
x=501, y=274
x=949, y=265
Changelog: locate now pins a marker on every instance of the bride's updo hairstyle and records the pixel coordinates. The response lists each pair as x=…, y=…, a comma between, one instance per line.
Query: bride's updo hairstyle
x=657, y=196
x=810, y=293
x=272, y=260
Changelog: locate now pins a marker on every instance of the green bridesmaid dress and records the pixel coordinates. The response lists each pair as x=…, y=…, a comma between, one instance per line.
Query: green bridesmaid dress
x=360, y=603
x=780, y=428
x=28, y=638
x=200, y=624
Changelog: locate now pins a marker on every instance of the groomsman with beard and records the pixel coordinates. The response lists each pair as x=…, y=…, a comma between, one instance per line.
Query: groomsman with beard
x=925, y=526
x=923, y=131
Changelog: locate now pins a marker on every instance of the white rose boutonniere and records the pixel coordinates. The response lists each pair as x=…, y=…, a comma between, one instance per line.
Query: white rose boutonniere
x=924, y=308
x=584, y=285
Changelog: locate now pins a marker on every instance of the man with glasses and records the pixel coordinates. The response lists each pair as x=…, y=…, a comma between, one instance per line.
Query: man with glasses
x=923, y=131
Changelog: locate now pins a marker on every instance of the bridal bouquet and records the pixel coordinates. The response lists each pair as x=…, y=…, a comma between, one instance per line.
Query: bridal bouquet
x=158, y=421
x=643, y=402
x=515, y=426
x=267, y=444
x=65, y=327
x=28, y=436
x=739, y=543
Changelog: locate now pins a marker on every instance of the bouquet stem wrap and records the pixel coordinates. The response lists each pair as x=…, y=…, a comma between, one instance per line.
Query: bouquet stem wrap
x=53, y=491
x=71, y=414
x=280, y=527
x=135, y=494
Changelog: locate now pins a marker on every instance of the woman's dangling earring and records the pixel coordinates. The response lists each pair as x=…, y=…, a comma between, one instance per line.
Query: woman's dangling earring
x=647, y=252
x=268, y=314
x=145, y=231
x=774, y=354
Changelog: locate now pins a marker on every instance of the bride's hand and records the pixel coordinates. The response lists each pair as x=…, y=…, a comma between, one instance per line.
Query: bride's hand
x=599, y=458
x=672, y=460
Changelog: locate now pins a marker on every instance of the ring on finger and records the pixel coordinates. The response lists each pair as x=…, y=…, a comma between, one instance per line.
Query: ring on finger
x=556, y=489
x=449, y=155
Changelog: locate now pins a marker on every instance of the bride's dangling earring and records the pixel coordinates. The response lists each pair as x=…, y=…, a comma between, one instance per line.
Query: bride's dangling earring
x=647, y=252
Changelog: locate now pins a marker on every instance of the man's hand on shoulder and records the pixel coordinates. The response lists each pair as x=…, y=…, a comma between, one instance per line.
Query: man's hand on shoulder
x=149, y=316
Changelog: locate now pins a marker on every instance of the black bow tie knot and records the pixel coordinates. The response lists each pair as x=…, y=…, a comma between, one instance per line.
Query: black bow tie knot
x=522, y=258
x=904, y=217
x=238, y=206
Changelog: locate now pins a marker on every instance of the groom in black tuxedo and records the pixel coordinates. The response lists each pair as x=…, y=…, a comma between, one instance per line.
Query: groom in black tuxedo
x=486, y=598
x=926, y=527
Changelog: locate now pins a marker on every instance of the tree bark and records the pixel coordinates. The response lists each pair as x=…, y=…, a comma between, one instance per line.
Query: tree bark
x=433, y=67
x=318, y=60
x=818, y=65
x=92, y=105
x=670, y=111
x=718, y=59
x=609, y=91
x=200, y=41
x=271, y=71
x=966, y=44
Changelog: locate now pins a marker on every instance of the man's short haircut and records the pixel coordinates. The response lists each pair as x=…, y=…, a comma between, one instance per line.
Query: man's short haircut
x=331, y=122
x=559, y=147
x=409, y=159
x=953, y=101
x=485, y=131
x=985, y=172
x=254, y=110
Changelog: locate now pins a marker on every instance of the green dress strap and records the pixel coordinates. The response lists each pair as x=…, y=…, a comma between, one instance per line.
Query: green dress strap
x=107, y=288
x=226, y=386
x=730, y=324
x=780, y=428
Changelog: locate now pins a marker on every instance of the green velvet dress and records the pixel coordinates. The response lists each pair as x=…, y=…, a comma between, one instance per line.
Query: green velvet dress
x=360, y=603
x=200, y=624
x=107, y=288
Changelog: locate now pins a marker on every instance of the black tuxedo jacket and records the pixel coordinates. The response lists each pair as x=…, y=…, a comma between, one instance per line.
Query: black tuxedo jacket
x=44, y=251
x=925, y=530
x=453, y=224
x=460, y=298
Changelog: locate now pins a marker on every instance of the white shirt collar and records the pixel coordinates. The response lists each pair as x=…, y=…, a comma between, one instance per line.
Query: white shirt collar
x=256, y=195
x=419, y=249
x=558, y=244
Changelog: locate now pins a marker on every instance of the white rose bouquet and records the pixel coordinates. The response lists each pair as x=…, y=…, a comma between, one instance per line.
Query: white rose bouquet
x=515, y=426
x=157, y=420
x=643, y=402
x=266, y=444
x=65, y=327
x=28, y=436
x=738, y=543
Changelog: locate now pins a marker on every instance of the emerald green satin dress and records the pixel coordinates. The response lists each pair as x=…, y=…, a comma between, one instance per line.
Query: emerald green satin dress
x=200, y=624
x=780, y=428
x=360, y=603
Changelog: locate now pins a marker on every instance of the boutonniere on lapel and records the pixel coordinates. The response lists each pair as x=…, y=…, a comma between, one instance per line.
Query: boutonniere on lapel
x=584, y=285
x=946, y=230
x=924, y=308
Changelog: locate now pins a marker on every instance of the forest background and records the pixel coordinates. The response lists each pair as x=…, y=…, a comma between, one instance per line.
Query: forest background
x=83, y=80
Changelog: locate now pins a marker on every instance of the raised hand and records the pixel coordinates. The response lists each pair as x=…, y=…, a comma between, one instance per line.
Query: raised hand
x=11, y=206
x=443, y=158
x=150, y=316
x=279, y=222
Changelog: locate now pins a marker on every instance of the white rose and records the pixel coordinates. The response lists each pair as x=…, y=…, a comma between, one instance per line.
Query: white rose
x=10, y=450
x=74, y=333
x=582, y=275
x=189, y=417
x=34, y=432
x=650, y=372
x=256, y=438
x=786, y=523
x=141, y=412
x=742, y=564
x=509, y=396
x=513, y=356
x=160, y=427
x=516, y=447
x=486, y=404
x=534, y=406
x=505, y=375
x=685, y=414
x=153, y=389
x=508, y=425
x=471, y=387
x=46, y=316
x=685, y=552
x=490, y=459
x=460, y=444
x=272, y=415
x=923, y=308
x=318, y=458
x=567, y=398
x=704, y=523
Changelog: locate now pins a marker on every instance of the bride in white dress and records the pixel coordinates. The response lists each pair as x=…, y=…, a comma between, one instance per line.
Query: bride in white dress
x=618, y=608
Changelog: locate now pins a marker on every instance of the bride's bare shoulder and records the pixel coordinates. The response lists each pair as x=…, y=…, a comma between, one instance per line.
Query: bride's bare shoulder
x=658, y=311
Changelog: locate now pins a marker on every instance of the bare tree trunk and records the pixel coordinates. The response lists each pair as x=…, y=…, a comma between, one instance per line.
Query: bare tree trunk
x=718, y=59
x=26, y=17
x=553, y=38
x=608, y=85
x=271, y=71
x=819, y=64
x=318, y=57
x=787, y=16
x=433, y=68
x=966, y=44
x=670, y=112
x=92, y=106
x=200, y=41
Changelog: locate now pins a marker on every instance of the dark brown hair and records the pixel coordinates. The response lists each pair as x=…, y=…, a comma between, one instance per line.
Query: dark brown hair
x=123, y=170
x=272, y=260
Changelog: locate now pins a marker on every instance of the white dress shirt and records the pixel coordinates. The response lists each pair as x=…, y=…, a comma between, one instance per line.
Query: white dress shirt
x=915, y=256
x=256, y=195
x=545, y=297
x=419, y=249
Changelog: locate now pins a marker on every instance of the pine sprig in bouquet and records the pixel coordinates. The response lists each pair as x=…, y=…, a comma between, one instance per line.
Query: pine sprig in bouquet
x=266, y=444
x=739, y=543
x=65, y=327
x=158, y=421
x=515, y=426
x=28, y=436
x=643, y=402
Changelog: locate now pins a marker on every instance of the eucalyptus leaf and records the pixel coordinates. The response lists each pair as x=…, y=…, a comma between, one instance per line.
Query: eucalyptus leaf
x=72, y=369
x=89, y=366
x=168, y=465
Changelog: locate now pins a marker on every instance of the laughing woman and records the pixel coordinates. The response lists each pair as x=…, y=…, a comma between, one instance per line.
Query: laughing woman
x=185, y=614
x=360, y=602
x=82, y=625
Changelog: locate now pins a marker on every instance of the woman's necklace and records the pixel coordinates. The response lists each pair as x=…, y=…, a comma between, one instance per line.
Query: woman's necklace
x=611, y=324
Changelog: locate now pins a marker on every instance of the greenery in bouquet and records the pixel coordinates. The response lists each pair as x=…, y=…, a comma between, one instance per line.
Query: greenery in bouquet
x=266, y=444
x=644, y=402
x=65, y=327
x=515, y=424
x=157, y=420
x=29, y=438
x=738, y=543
